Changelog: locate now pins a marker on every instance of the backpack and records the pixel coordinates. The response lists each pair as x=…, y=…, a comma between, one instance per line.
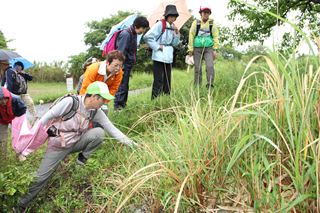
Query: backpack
x=88, y=62
x=199, y=25
x=163, y=29
x=79, y=85
x=19, y=83
x=111, y=44
x=84, y=66
x=75, y=105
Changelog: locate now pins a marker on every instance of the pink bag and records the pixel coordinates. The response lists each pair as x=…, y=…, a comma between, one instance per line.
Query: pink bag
x=26, y=140
x=111, y=45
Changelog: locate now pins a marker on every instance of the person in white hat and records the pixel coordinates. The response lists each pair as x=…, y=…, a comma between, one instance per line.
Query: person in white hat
x=203, y=45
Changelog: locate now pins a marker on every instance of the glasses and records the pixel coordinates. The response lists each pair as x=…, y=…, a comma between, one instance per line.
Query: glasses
x=118, y=65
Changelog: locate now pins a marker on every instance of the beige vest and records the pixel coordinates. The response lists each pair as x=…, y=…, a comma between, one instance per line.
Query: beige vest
x=72, y=129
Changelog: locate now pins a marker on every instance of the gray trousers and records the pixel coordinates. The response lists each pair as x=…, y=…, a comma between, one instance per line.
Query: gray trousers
x=3, y=141
x=199, y=54
x=51, y=160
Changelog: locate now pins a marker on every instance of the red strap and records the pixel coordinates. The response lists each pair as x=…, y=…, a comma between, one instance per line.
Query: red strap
x=164, y=25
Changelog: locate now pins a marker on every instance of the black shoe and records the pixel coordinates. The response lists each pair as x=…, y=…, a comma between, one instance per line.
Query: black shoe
x=210, y=86
x=19, y=209
x=118, y=108
x=81, y=159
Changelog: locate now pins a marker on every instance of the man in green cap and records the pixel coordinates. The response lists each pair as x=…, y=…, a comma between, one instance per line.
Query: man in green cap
x=68, y=129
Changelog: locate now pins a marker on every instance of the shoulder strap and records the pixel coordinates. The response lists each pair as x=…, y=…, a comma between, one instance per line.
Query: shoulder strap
x=92, y=114
x=73, y=109
x=164, y=28
x=198, y=26
x=164, y=25
x=116, y=34
x=211, y=26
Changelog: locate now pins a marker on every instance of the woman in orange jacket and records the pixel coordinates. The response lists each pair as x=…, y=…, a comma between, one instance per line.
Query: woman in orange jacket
x=109, y=71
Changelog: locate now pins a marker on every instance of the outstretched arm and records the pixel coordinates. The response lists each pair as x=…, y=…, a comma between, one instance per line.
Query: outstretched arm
x=113, y=131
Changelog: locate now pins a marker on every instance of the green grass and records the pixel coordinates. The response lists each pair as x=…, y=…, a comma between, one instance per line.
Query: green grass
x=251, y=144
x=140, y=81
x=47, y=92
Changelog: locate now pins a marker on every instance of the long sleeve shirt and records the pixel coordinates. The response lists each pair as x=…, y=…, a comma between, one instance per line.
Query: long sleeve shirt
x=193, y=29
x=64, y=106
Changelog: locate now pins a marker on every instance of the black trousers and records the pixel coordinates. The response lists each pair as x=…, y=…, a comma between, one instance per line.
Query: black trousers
x=161, y=79
x=121, y=96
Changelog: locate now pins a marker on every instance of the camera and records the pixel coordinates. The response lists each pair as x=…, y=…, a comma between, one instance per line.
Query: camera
x=53, y=131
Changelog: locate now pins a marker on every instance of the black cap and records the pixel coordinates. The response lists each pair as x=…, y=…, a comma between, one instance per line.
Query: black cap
x=171, y=10
x=19, y=63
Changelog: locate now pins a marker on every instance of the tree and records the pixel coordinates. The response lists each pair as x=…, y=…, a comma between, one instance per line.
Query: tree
x=93, y=39
x=75, y=65
x=3, y=41
x=181, y=50
x=98, y=31
x=256, y=25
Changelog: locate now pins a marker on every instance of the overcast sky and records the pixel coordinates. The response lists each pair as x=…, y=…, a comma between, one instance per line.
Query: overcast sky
x=49, y=30
x=53, y=30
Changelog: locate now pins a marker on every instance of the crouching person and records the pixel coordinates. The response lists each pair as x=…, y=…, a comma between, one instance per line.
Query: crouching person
x=69, y=132
x=11, y=106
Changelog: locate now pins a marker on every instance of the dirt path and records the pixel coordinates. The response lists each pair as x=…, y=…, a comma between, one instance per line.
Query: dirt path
x=43, y=108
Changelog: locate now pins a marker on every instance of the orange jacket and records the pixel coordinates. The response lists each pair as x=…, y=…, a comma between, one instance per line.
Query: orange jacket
x=92, y=74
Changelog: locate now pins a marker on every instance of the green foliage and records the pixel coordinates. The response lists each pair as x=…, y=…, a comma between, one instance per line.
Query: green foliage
x=248, y=141
x=43, y=72
x=47, y=92
x=93, y=39
x=181, y=51
x=140, y=80
x=144, y=62
x=227, y=44
x=3, y=41
x=76, y=188
x=98, y=31
x=225, y=36
x=255, y=50
x=75, y=65
x=256, y=25
x=255, y=140
x=15, y=177
x=229, y=53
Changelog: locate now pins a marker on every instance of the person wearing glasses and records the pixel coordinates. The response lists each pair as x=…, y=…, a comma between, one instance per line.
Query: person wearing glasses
x=108, y=71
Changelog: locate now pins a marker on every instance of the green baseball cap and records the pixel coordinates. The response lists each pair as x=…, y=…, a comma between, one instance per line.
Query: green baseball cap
x=99, y=88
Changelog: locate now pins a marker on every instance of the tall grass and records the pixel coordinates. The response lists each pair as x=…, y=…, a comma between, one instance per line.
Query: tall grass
x=257, y=150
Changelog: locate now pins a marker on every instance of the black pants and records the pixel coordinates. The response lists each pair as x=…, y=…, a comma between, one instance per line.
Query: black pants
x=121, y=96
x=161, y=79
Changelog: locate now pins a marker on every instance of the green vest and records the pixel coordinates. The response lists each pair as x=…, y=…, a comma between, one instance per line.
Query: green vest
x=204, y=39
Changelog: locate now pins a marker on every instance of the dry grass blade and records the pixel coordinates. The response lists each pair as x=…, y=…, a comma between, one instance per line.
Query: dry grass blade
x=180, y=194
x=136, y=187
